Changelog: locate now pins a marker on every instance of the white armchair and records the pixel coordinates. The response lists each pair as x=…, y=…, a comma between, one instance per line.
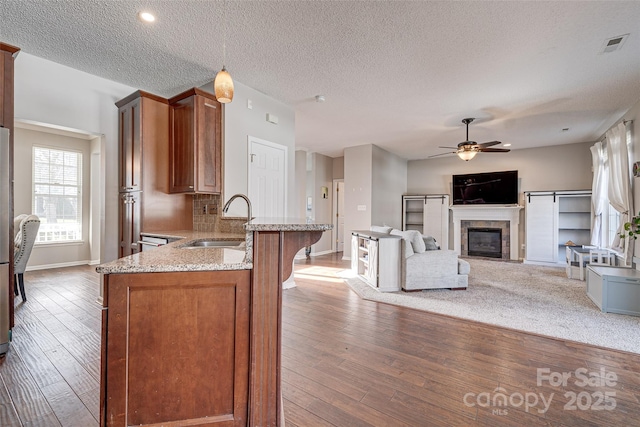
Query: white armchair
x=27, y=230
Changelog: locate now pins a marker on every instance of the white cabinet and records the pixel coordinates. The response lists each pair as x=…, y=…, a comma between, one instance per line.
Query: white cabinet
x=552, y=219
x=429, y=214
x=614, y=289
x=375, y=257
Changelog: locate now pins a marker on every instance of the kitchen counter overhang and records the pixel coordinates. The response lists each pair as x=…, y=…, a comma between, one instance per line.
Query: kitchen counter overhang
x=184, y=320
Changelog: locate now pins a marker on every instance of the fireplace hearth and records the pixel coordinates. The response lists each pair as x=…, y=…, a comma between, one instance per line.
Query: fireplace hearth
x=485, y=242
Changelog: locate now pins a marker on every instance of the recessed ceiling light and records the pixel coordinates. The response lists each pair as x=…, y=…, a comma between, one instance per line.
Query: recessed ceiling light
x=506, y=145
x=146, y=17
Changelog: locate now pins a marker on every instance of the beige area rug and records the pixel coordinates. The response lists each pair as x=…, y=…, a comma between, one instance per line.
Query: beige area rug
x=525, y=297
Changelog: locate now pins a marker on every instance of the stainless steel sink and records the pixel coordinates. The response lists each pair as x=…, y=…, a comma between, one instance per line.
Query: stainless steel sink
x=213, y=244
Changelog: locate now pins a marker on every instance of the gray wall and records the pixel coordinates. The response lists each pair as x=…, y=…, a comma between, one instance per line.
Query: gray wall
x=59, y=254
x=562, y=167
x=389, y=184
x=357, y=191
x=338, y=167
x=322, y=172
x=375, y=179
x=634, y=114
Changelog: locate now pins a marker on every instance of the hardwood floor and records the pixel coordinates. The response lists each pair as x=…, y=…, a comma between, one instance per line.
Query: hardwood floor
x=346, y=362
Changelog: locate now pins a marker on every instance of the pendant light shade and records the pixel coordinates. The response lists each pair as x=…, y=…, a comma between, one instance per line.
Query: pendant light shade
x=223, y=86
x=467, y=155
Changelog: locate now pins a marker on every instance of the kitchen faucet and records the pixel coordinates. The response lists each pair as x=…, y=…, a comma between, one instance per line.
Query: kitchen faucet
x=235, y=196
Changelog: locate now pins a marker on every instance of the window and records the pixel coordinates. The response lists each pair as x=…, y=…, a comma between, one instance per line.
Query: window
x=57, y=194
x=611, y=224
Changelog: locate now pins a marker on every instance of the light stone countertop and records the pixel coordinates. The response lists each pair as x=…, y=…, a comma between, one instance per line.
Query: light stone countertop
x=173, y=257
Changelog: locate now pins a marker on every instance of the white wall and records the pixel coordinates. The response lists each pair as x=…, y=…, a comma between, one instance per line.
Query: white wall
x=44, y=256
x=240, y=122
x=48, y=92
x=301, y=184
x=338, y=167
x=389, y=184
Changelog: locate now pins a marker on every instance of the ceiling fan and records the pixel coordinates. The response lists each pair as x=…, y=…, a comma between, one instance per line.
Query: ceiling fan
x=467, y=150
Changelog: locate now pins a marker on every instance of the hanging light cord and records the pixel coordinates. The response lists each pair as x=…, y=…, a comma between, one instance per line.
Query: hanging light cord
x=224, y=36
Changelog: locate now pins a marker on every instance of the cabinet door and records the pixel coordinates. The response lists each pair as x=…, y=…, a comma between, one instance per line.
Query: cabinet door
x=541, y=228
x=130, y=146
x=130, y=220
x=436, y=220
x=209, y=145
x=372, y=272
x=182, y=147
x=176, y=348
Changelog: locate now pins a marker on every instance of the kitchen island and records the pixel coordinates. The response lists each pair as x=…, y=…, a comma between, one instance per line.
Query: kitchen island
x=193, y=336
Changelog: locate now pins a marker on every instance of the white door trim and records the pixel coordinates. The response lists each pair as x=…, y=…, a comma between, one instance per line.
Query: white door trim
x=334, y=217
x=253, y=139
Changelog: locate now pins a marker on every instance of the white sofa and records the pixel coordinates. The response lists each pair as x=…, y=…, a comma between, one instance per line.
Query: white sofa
x=428, y=269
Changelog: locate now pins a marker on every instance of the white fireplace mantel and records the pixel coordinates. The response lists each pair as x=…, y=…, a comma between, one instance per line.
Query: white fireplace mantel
x=509, y=213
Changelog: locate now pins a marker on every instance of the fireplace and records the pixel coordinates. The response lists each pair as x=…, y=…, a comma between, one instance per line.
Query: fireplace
x=505, y=218
x=486, y=242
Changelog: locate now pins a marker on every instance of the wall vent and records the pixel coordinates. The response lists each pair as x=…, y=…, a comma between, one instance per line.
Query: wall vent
x=614, y=43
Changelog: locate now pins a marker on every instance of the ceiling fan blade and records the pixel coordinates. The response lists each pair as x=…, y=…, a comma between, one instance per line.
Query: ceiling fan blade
x=489, y=144
x=443, y=154
x=453, y=148
x=494, y=150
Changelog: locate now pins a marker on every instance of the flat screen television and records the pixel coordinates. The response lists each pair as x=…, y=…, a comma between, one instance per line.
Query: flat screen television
x=495, y=188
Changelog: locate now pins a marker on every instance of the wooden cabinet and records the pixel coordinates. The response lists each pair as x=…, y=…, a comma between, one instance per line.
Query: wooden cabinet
x=196, y=143
x=145, y=202
x=375, y=257
x=428, y=214
x=176, y=349
x=8, y=54
x=552, y=219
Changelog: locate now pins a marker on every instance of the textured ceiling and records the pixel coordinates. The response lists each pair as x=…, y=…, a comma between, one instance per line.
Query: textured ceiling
x=400, y=75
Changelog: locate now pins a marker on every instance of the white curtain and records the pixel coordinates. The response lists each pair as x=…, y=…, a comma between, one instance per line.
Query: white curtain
x=619, y=188
x=598, y=194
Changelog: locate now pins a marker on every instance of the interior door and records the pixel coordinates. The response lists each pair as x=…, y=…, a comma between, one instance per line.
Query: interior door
x=267, y=178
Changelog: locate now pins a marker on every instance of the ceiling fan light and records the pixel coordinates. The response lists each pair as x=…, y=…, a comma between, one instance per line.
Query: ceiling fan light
x=223, y=86
x=467, y=155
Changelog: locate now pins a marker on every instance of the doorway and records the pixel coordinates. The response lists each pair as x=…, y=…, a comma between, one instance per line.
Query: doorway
x=267, y=178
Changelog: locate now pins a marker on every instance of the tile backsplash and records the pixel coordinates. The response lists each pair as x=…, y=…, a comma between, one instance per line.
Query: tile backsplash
x=207, y=215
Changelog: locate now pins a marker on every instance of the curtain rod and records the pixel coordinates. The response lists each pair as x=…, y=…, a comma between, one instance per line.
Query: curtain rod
x=624, y=122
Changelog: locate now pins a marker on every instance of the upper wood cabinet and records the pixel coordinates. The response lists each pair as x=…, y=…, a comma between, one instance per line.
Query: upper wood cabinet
x=195, y=155
x=7, y=56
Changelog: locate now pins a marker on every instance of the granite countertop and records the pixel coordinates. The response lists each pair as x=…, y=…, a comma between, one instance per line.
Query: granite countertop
x=174, y=257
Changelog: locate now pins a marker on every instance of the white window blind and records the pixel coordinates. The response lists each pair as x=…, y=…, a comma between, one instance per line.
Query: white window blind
x=57, y=194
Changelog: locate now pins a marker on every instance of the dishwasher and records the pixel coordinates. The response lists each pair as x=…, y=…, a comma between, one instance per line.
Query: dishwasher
x=148, y=242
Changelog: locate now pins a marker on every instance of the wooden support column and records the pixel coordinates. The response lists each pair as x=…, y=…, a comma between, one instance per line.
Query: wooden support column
x=273, y=253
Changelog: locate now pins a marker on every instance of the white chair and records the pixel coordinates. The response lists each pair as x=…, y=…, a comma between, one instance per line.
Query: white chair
x=600, y=257
x=572, y=264
x=27, y=230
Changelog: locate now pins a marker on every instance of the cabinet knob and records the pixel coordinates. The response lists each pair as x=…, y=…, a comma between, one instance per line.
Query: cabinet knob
x=191, y=186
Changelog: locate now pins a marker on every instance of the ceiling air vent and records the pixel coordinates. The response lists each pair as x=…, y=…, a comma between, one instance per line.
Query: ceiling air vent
x=614, y=43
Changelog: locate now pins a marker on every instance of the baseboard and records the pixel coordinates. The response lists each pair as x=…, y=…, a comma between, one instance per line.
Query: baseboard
x=321, y=253
x=346, y=258
x=94, y=262
x=58, y=265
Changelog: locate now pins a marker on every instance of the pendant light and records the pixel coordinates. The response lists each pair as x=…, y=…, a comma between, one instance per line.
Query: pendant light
x=223, y=84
